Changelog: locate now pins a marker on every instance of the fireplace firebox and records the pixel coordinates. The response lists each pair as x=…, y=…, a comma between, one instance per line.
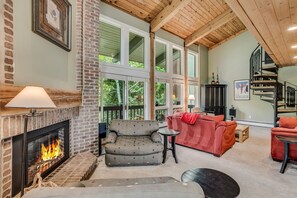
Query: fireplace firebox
x=47, y=148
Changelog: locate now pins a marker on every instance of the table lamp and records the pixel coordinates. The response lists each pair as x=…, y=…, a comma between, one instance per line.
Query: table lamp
x=30, y=98
x=192, y=99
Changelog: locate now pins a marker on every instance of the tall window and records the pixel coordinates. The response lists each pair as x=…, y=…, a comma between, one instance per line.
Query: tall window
x=160, y=57
x=136, y=50
x=110, y=43
x=177, y=94
x=193, y=95
x=160, y=101
x=176, y=57
x=192, y=65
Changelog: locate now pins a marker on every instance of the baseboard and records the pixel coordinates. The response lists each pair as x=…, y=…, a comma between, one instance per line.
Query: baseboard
x=253, y=123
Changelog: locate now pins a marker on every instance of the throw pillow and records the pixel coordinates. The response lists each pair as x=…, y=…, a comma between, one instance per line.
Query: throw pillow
x=288, y=122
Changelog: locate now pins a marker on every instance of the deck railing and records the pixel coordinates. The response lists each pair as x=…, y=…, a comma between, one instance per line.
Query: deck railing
x=135, y=112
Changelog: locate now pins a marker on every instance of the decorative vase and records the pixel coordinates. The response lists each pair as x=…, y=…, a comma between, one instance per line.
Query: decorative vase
x=213, y=79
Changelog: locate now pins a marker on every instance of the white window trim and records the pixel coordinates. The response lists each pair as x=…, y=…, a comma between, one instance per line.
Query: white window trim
x=182, y=65
x=197, y=66
x=124, y=68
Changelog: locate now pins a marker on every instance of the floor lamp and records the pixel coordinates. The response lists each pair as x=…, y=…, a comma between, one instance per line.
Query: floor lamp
x=30, y=98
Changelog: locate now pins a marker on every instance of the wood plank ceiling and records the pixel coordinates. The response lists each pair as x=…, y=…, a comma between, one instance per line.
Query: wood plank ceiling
x=207, y=22
x=270, y=22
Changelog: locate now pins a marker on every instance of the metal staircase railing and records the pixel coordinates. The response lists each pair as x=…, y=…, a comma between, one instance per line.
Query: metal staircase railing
x=265, y=83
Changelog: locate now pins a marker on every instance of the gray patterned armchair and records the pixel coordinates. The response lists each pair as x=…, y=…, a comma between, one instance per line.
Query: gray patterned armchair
x=133, y=142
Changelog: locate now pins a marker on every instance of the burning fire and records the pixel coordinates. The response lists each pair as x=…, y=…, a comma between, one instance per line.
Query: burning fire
x=52, y=151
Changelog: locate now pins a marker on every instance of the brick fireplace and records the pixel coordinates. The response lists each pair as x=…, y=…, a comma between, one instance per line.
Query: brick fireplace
x=83, y=118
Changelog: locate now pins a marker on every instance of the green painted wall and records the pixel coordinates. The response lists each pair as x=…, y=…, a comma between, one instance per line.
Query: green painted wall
x=231, y=62
x=38, y=61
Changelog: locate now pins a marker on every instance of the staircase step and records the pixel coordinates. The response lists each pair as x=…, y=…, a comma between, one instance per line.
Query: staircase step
x=266, y=75
x=264, y=82
x=266, y=94
x=262, y=87
x=271, y=68
x=287, y=110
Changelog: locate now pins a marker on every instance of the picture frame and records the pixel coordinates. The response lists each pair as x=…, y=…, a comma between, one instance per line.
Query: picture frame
x=51, y=19
x=242, y=89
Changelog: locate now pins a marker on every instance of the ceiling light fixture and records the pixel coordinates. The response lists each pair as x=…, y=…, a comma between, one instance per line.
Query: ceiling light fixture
x=292, y=28
x=295, y=57
x=294, y=46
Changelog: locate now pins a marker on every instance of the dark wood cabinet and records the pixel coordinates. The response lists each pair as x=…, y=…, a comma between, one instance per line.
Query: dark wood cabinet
x=215, y=99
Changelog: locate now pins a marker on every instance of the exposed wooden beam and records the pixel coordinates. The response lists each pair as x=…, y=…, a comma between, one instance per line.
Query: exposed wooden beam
x=209, y=27
x=242, y=15
x=168, y=13
x=152, y=76
x=227, y=39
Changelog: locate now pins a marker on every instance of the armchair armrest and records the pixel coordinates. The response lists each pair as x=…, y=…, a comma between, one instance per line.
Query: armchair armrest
x=283, y=130
x=156, y=137
x=112, y=137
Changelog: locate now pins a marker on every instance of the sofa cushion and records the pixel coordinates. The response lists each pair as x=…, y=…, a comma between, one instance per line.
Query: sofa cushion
x=156, y=137
x=134, y=127
x=288, y=122
x=217, y=118
x=134, y=145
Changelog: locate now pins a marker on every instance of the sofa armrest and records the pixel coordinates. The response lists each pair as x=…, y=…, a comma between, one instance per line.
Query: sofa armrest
x=112, y=137
x=156, y=137
x=224, y=136
x=283, y=130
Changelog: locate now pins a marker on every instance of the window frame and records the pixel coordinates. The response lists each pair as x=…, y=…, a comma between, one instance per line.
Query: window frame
x=197, y=66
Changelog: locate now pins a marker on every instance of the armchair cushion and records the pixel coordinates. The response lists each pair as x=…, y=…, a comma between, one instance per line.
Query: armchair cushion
x=134, y=127
x=134, y=145
x=111, y=138
x=156, y=137
x=288, y=122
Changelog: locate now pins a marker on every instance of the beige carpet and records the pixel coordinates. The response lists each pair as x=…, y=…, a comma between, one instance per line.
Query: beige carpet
x=249, y=163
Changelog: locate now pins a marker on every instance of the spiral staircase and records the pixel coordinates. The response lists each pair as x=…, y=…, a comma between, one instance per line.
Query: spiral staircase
x=265, y=83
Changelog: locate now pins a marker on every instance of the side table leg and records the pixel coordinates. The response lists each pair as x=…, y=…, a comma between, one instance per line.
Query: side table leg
x=173, y=149
x=286, y=157
x=165, y=148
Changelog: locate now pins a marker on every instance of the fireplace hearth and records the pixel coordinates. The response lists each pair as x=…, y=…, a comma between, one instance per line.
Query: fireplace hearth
x=47, y=148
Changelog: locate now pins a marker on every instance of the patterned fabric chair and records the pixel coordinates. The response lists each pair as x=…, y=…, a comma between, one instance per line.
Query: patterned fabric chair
x=133, y=142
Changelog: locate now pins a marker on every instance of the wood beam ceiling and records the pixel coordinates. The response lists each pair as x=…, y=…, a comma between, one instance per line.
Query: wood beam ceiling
x=264, y=38
x=168, y=13
x=209, y=27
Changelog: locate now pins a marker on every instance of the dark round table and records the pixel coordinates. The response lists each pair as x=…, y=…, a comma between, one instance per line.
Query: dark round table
x=287, y=140
x=214, y=183
x=169, y=133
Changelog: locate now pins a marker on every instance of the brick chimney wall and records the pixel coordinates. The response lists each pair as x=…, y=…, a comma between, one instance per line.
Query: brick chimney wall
x=83, y=120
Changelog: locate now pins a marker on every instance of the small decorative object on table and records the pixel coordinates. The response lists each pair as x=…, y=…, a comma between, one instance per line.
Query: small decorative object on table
x=217, y=82
x=241, y=133
x=213, y=79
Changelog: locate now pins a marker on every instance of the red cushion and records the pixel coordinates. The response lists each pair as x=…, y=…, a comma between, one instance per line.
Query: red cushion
x=189, y=118
x=216, y=118
x=288, y=122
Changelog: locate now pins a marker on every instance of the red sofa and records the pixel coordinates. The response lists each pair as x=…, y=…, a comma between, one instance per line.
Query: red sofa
x=208, y=133
x=287, y=127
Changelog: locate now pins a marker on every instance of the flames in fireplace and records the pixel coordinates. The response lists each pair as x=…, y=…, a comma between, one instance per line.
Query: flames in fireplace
x=52, y=151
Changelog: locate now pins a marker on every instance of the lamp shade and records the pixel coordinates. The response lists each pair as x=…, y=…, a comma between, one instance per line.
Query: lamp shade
x=33, y=98
x=191, y=97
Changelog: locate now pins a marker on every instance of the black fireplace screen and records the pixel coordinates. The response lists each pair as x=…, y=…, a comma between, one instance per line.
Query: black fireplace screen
x=48, y=148
x=44, y=152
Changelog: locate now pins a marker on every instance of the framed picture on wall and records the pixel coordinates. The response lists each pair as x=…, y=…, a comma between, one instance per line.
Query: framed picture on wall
x=52, y=20
x=241, y=90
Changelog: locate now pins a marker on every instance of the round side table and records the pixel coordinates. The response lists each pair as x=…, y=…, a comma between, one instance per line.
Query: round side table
x=169, y=133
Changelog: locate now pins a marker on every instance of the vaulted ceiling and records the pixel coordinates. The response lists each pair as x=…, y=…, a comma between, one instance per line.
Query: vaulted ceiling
x=213, y=22
x=207, y=22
